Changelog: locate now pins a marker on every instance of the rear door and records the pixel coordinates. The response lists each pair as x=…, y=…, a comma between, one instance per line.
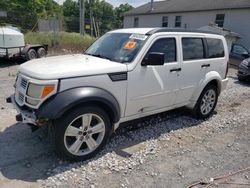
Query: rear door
x=194, y=67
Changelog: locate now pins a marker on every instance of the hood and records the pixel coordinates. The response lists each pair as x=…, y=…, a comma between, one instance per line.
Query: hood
x=66, y=66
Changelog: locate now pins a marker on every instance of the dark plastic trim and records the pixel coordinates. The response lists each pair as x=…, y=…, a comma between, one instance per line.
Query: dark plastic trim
x=120, y=76
x=58, y=104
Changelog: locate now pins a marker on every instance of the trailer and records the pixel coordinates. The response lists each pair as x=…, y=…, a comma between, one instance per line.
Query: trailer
x=12, y=46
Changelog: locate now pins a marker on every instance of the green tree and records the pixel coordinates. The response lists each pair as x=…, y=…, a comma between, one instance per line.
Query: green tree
x=25, y=13
x=118, y=14
x=71, y=15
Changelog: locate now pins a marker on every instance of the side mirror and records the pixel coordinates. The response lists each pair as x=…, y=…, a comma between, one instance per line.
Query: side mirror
x=154, y=58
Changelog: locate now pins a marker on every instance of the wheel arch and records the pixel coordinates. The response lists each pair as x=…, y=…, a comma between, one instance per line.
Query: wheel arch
x=212, y=78
x=61, y=103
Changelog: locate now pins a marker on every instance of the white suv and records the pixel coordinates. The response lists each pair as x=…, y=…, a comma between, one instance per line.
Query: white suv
x=126, y=74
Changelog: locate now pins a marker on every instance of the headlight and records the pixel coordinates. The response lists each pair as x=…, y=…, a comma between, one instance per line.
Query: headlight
x=40, y=91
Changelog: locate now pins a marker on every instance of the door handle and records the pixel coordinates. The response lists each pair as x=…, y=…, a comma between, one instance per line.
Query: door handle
x=175, y=70
x=205, y=65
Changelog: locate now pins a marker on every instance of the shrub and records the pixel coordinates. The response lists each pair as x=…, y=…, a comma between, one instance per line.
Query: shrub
x=60, y=40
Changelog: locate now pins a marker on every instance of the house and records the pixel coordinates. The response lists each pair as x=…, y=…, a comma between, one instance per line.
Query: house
x=193, y=14
x=231, y=37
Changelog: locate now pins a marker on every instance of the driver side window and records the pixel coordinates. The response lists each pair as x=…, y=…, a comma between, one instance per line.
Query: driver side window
x=167, y=46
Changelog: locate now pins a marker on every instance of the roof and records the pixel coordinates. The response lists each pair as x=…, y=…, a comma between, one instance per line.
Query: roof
x=150, y=31
x=219, y=30
x=10, y=31
x=173, y=6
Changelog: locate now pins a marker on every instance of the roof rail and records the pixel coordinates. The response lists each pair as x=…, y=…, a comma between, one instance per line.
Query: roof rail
x=160, y=30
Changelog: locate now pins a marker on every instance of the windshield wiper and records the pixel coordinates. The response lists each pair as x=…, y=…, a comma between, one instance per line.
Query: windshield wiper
x=99, y=55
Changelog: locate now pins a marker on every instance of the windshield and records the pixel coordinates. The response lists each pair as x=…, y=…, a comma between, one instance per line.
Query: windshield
x=119, y=47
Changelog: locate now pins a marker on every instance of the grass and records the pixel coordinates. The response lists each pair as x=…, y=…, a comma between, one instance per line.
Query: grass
x=60, y=41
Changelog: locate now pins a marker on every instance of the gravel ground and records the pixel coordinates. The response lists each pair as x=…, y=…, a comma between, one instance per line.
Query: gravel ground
x=171, y=149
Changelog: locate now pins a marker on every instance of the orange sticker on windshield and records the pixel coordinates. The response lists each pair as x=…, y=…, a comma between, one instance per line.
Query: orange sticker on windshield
x=130, y=45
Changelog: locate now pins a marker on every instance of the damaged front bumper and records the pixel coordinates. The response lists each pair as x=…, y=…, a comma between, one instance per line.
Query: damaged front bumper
x=26, y=115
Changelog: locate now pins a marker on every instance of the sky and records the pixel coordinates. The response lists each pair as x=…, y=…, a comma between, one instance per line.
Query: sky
x=134, y=3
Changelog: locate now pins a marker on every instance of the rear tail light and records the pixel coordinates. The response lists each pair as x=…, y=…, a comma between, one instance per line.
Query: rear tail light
x=226, y=71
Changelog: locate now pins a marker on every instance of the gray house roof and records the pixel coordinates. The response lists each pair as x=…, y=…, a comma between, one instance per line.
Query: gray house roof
x=173, y=6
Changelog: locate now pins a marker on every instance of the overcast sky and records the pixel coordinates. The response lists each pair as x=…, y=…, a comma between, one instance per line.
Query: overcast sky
x=134, y=3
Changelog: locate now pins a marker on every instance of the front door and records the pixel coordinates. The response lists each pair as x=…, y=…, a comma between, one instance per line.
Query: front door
x=153, y=87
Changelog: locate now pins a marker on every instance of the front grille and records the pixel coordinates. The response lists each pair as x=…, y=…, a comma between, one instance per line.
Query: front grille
x=21, y=89
x=23, y=83
x=21, y=97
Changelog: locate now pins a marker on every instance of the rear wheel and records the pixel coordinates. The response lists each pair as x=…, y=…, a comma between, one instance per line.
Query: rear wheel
x=206, y=102
x=82, y=133
x=41, y=52
x=31, y=54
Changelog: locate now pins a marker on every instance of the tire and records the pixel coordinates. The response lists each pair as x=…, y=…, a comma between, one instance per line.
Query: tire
x=75, y=140
x=206, y=102
x=31, y=54
x=41, y=52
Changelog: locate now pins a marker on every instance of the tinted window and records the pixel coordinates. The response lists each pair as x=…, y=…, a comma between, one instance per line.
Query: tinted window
x=192, y=48
x=215, y=48
x=237, y=49
x=166, y=46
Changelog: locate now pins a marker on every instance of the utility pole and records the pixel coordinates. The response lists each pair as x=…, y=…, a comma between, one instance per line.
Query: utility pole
x=82, y=16
x=91, y=17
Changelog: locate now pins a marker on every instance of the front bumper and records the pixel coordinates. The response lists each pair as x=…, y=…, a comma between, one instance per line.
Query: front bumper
x=224, y=84
x=25, y=116
x=243, y=72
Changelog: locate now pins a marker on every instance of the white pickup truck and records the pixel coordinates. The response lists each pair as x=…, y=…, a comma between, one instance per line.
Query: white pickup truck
x=126, y=74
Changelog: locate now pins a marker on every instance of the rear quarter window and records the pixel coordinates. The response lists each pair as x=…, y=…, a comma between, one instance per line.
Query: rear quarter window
x=215, y=48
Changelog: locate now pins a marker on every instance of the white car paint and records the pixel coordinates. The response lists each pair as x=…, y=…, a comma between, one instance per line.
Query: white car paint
x=69, y=66
x=148, y=90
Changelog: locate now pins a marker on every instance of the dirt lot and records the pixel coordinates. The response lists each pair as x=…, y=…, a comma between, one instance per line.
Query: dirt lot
x=166, y=150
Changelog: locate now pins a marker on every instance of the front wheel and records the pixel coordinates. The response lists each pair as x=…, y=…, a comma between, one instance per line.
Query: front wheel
x=206, y=102
x=82, y=133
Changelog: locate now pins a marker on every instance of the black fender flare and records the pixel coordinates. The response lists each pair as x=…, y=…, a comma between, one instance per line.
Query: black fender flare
x=60, y=103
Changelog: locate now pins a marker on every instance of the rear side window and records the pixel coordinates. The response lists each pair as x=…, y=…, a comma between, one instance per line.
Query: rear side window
x=166, y=46
x=215, y=48
x=193, y=48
